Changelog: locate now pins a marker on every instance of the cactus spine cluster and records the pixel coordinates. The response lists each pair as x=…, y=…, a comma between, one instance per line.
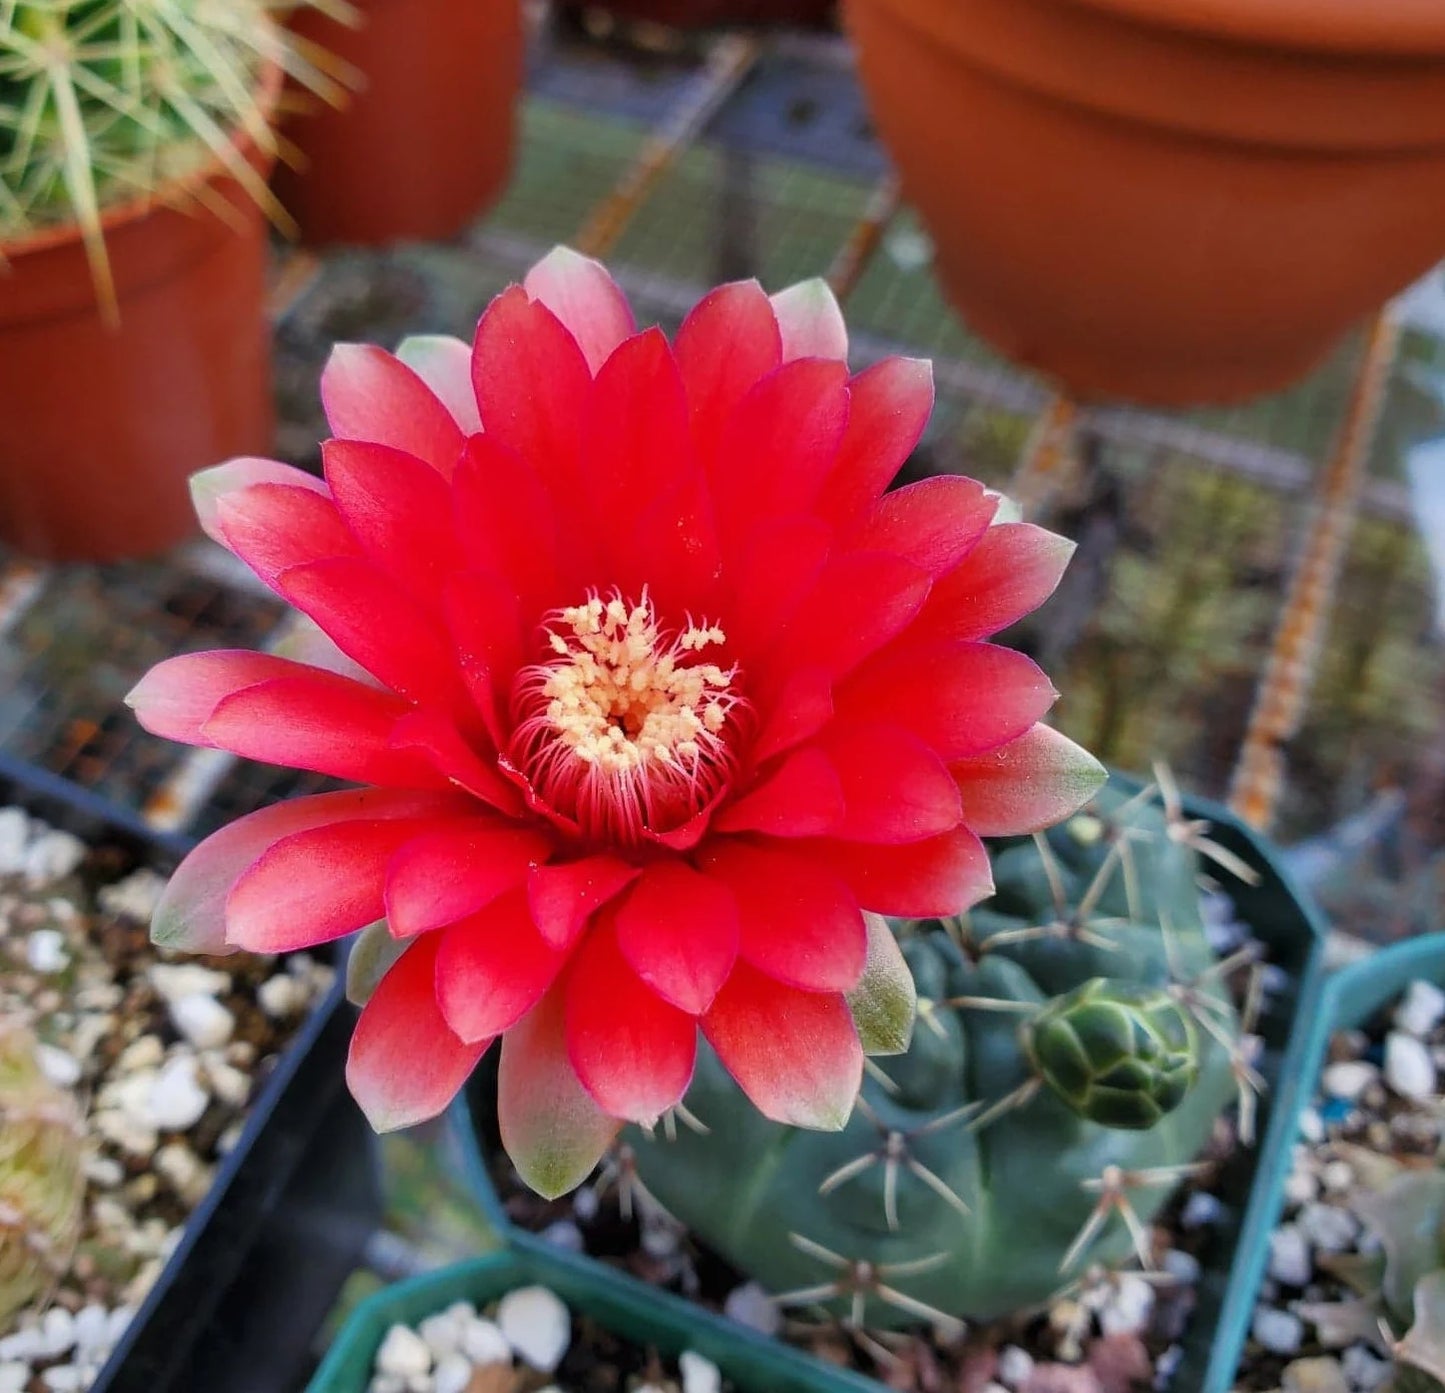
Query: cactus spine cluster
x=42, y=1182
x=103, y=101
x=1075, y=1045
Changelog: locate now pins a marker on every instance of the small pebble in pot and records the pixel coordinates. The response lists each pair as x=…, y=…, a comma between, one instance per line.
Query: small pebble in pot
x=1328, y=1227
x=176, y=1100
x=1015, y=1366
x=403, y=1353
x=202, y=1020
x=1318, y=1375
x=750, y=1305
x=45, y=951
x=483, y=1342
x=537, y=1326
x=1127, y=1307
x=1349, y=1078
x=1289, y=1256
x=1421, y=1009
x=1278, y=1331
x=699, y=1375
x=1200, y=1210
x=1364, y=1370
x=1409, y=1070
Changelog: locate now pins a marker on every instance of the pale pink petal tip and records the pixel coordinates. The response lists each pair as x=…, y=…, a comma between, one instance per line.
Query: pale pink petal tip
x=1028, y=784
x=209, y=486
x=583, y=295
x=810, y=321
x=444, y=363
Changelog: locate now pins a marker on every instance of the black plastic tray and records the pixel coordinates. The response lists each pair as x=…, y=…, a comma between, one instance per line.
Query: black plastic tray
x=262, y=1259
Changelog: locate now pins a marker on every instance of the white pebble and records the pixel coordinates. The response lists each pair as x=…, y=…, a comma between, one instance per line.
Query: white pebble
x=1364, y=1370
x=563, y=1233
x=750, y=1305
x=146, y=1052
x=1200, y=1210
x=281, y=996
x=202, y=1020
x=1015, y=1366
x=1126, y=1312
x=387, y=1383
x=585, y=1204
x=45, y=951
x=92, y=1333
x=52, y=856
x=1348, y=1078
x=1328, y=1227
x=452, y=1375
x=1409, y=1070
x=25, y=1344
x=176, y=1100
x=1182, y=1266
x=229, y=1084
x=1278, y=1331
x=1300, y=1187
x=57, y=1331
x=403, y=1352
x=119, y=1322
x=135, y=897
x=537, y=1326
x=1338, y=1177
x=65, y=1378
x=699, y=1375
x=14, y=1377
x=1421, y=1008
x=442, y=1333
x=14, y=834
x=175, y=980
x=483, y=1342
x=60, y=1067
x=1289, y=1256
x=1311, y=1126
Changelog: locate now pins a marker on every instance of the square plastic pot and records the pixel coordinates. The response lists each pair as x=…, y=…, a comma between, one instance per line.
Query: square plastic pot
x=1348, y=998
x=262, y=1258
x=642, y=1314
x=1292, y=930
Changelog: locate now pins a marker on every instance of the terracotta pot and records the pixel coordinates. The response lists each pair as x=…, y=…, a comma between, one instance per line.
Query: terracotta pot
x=708, y=14
x=1166, y=200
x=426, y=146
x=100, y=427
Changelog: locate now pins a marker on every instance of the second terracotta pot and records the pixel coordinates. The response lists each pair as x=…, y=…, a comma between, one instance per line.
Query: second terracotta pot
x=709, y=14
x=1172, y=201
x=427, y=144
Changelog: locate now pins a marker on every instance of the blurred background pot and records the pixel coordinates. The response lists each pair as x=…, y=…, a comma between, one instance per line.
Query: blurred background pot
x=426, y=145
x=1172, y=201
x=704, y=14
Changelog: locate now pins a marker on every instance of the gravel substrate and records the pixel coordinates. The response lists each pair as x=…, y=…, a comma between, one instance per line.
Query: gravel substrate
x=528, y=1342
x=163, y=1057
x=1379, y=1097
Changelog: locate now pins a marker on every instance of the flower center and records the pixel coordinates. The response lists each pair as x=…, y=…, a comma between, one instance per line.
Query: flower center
x=625, y=728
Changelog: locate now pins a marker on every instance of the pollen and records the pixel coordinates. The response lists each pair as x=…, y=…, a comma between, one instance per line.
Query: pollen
x=626, y=727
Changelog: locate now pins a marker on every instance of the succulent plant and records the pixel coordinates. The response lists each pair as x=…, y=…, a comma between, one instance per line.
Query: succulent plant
x=41, y=1179
x=1076, y=1044
x=103, y=101
x=1400, y=1285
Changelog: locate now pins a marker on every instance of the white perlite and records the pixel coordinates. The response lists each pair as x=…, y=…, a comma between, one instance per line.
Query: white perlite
x=1278, y=1331
x=1015, y=1366
x=202, y=1020
x=1409, y=1070
x=750, y=1305
x=45, y=951
x=1126, y=1310
x=537, y=1326
x=1289, y=1256
x=403, y=1353
x=281, y=996
x=483, y=1342
x=175, y=980
x=176, y=1099
x=699, y=1375
x=1349, y=1078
x=1421, y=1009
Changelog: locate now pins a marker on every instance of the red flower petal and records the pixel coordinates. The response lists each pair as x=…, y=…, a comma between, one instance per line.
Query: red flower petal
x=778, y=567
x=399, y=509
x=810, y=322
x=273, y=527
x=895, y=789
x=405, y=1064
x=801, y=798
x=485, y=619
x=861, y=601
x=581, y=293
x=1012, y=571
x=778, y=446
x=529, y=376
x=632, y=1051
x=177, y=696
x=679, y=931
x=392, y=637
x=369, y=395
x=492, y=968
x=191, y=913
x=444, y=363
x=795, y=1054
x=727, y=344
x=209, y=486
x=934, y=523
x=676, y=533
x=798, y=922
x=506, y=522
x=962, y=698
x=798, y=710
x=452, y=872
x=437, y=740
x=317, y=885
x=889, y=405
x=552, y=1130
x=919, y=880
x=1027, y=785
x=563, y=897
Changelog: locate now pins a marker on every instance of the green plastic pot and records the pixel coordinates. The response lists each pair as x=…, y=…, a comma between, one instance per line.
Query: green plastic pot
x=1280, y=914
x=629, y=1308
x=1349, y=998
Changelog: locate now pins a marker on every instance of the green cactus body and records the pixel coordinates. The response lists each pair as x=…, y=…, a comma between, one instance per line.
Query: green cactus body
x=41, y=1180
x=1096, y=1062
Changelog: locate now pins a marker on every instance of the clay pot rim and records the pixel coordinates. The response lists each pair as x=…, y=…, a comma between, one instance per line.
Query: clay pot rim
x=268, y=91
x=1374, y=28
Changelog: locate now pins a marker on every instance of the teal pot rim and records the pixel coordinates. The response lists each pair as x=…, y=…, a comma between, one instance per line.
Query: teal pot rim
x=624, y=1305
x=1283, y=916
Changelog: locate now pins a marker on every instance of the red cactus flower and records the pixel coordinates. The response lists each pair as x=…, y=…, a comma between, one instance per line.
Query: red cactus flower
x=652, y=692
